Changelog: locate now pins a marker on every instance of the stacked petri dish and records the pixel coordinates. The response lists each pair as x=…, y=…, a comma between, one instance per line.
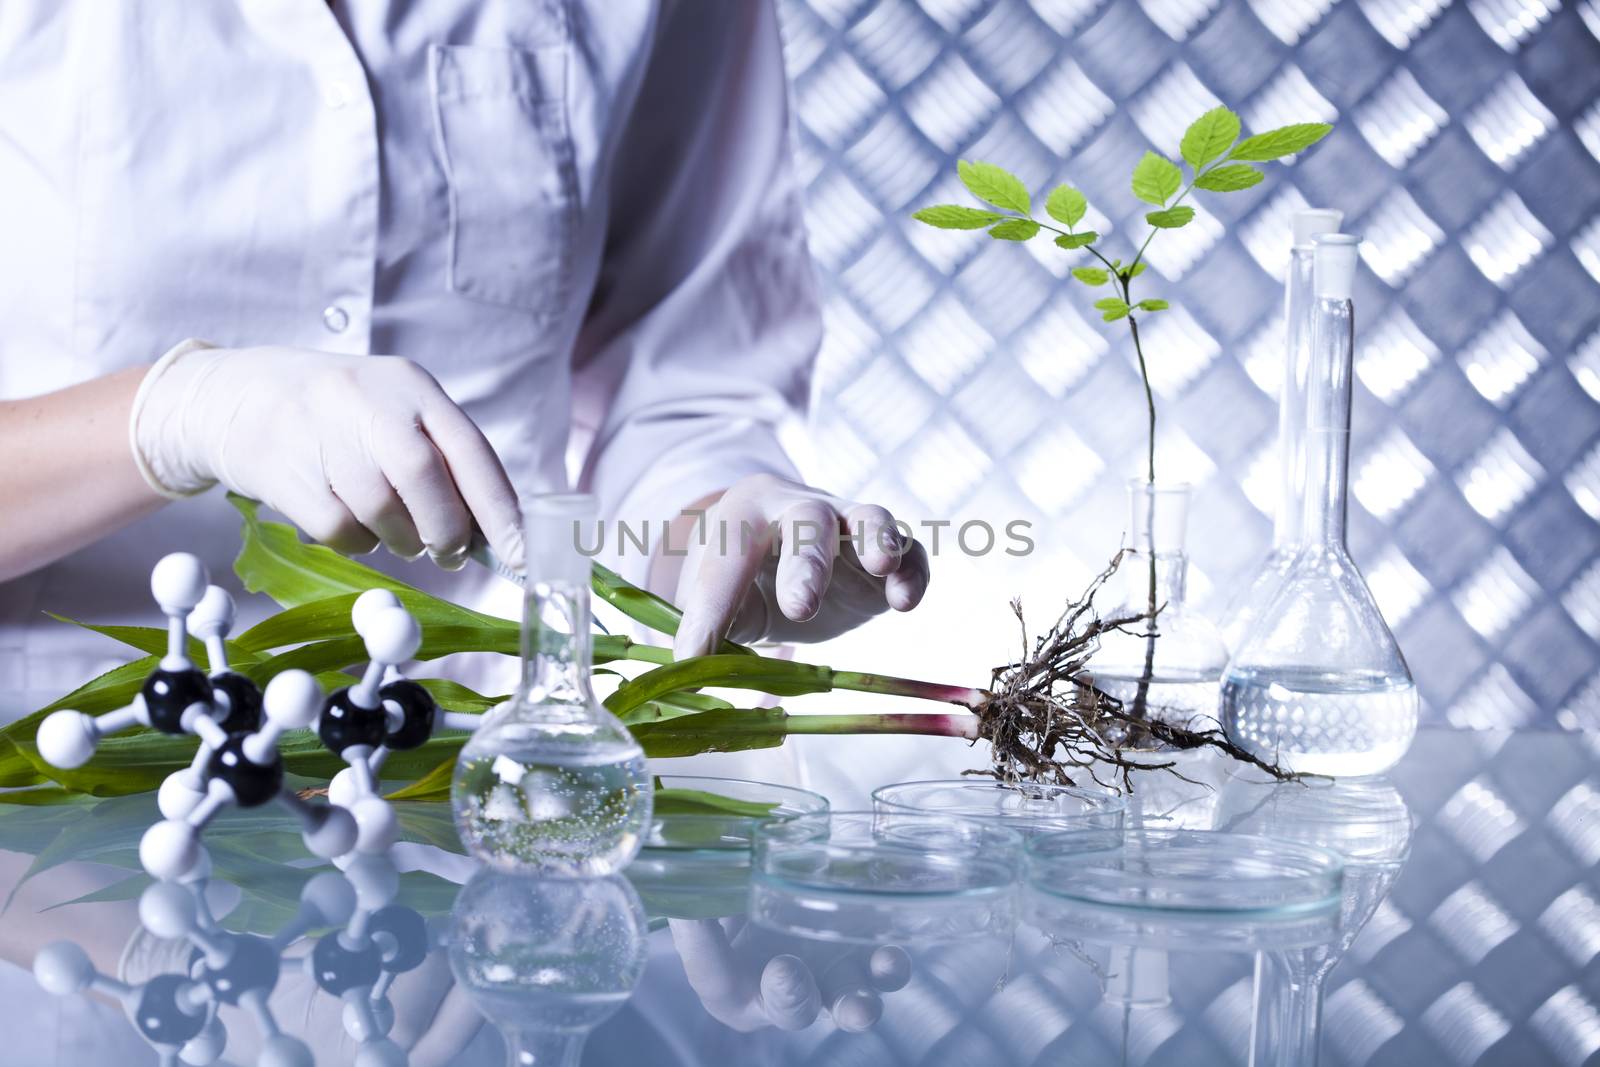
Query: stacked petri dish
x=1029, y=808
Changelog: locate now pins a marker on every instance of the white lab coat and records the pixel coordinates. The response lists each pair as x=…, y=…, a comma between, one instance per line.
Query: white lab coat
x=580, y=215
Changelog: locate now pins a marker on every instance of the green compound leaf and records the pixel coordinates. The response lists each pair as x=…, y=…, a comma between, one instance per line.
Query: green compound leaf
x=956, y=217
x=1153, y=305
x=995, y=185
x=1090, y=275
x=1229, y=179
x=1077, y=240
x=1015, y=230
x=1172, y=218
x=1209, y=136
x=1284, y=141
x=1155, y=179
x=1066, y=205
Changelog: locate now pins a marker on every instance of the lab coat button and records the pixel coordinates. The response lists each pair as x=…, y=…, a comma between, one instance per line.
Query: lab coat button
x=335, y=318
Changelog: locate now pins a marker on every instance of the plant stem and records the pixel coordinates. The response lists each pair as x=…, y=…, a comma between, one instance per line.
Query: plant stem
x=938, y=725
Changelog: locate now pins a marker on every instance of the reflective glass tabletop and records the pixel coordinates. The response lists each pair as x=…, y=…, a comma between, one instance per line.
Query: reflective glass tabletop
x=1446, y=914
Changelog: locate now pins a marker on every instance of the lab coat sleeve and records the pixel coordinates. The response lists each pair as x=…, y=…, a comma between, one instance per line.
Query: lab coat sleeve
x=705, y=322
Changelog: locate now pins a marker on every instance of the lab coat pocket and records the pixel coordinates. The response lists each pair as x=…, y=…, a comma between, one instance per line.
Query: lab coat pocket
x=501, y=131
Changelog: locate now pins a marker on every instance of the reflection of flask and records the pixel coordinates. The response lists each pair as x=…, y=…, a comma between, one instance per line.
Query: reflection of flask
x=1166, y=668
x=1318, y=684
x=547, y=959
x=1366, y=821
x=552, y=781
x=1287, y=519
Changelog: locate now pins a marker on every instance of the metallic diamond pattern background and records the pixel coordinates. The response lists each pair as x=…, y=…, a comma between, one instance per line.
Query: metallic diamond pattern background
x=964, y=377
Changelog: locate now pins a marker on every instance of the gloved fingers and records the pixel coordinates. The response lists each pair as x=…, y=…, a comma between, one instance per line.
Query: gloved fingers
x=810, y=538
x=479, y=476
x=324, y=516
x=714, y=973
x=889, y=968
x=857, y=1011
x=904, y=588
x=789, y=993
x=878, y=542
x=374, y=503
x=850, y=994
x=721, y=573
x=421, y=477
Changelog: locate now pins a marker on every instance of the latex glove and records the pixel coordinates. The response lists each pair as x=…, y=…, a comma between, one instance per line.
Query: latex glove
x=836, y=565
x=355, y=450
x=748, y=978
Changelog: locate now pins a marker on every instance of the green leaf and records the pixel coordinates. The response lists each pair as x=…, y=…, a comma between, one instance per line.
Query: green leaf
x=1284, y=141
x=1155, y=179
x=1015, y=230
x=1090, y=275
x=1153, y=305
x=435, y=785
x=1229, y=179
x=1134, y=271
x=713, y=731
x=995, y=185
x=1209, y=136
x=1114, y=314
x=700, y=802
x=776, y=677
x=1171, y=218
x=1077, y=240
x=1066, y=205
x=1111, y=303
x=956, y=217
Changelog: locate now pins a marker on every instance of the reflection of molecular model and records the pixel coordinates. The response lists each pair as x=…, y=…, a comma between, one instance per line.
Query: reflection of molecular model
x=374, y=941
x=238, y=761
x=359, y=963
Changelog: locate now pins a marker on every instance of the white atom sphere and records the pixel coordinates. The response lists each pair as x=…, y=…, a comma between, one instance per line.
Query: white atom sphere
x=392, y=636
x=857, y=1012
x=293, y=700
x=377, y=826
x=67, y=739
x=178, y=795
x=342, y=789
x=331, y=896
x=375, y=879
x=206, y=1047
x=381, y=1053
x=179, y=583
x=62, y=967
x=167, y=910
x=281, y=1050
x=369, y=604
x=169, y=849
x=333, y=834
x=214, y=614
x=890, y=967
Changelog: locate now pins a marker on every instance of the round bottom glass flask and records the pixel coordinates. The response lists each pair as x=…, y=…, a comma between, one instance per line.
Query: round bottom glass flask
x=551, y=782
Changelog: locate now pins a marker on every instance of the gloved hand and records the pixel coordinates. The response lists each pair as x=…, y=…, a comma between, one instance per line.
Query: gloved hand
x=749, y=978
x=355, y=450
x=837, y=565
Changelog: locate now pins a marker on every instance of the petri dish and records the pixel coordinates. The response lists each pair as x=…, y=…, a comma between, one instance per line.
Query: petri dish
x=748, y=804
x=1185, y=871
x=1029, y=807
x=877, y=876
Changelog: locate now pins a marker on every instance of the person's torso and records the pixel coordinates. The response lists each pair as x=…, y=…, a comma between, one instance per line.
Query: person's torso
x=423, y=179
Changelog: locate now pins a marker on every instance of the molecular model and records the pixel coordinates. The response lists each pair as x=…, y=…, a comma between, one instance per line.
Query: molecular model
x=238, y=727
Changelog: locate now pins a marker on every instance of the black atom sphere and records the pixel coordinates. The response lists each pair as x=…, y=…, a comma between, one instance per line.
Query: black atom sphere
x=253, y=964
x=410, y=933
x=158, y=1016
x=344, y=724
x=338, y=969
x=168, y=694
x=253, y=783
x=244, y=702
x=419, y=709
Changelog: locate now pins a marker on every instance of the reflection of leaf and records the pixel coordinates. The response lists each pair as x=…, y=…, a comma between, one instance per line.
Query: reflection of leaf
x=700, y=802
